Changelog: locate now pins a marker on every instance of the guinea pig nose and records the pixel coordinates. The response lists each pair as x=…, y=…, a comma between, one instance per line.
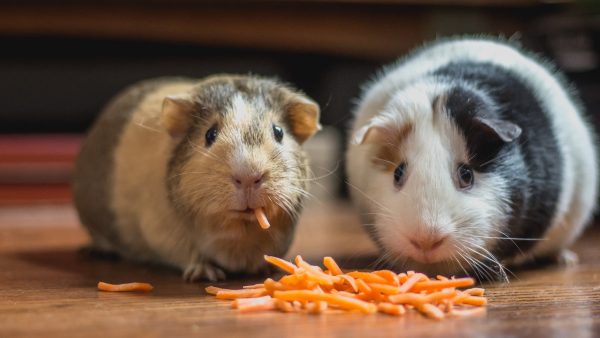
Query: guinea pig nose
x=427, y=243
x=253, y=180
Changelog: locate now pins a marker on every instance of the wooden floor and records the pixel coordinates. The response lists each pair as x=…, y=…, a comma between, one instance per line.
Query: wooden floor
x=47, y=289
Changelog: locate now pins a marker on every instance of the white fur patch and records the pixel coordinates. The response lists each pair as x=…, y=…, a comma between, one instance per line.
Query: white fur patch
x=241, y=110
x=429, y=203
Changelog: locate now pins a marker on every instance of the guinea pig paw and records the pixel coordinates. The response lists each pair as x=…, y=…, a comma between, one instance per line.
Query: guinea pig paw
x=203, y=270
x=567, y=258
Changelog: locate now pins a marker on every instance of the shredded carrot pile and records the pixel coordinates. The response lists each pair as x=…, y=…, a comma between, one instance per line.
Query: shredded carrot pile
x=125, y=287
x=309, y=288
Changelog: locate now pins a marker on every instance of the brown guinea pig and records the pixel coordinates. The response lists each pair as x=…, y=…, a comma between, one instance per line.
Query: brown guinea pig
x=172, y=171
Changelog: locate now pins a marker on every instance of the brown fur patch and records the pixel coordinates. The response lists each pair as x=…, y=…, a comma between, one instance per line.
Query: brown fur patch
x=387, y=157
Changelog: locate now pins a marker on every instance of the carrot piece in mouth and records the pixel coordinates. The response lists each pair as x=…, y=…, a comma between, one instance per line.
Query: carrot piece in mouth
x=262, y=218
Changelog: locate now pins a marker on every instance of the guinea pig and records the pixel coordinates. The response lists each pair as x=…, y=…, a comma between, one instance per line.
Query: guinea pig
x=470, y=155
x=173, y=169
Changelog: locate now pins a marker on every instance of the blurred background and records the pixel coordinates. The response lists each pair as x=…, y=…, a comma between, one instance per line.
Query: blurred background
x=61, y=61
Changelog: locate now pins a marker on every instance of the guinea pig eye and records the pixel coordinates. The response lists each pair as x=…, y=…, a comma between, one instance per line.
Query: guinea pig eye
x=211, y=136
x=278, y=133
x=465, y=176
x=399, y=176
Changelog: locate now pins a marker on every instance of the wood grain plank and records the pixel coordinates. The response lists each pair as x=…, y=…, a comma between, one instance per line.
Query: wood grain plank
x=48, y=289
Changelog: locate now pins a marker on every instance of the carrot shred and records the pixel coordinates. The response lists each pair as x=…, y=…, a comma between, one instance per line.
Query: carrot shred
x=254, y=286
x=243, y=293
x=473, y=300
x=368, y=277
x=102, y=286
x=411, y=282
x=441, y=284
x=390, y=276
x=280, y=263
x=332, y=266
x=408, y=298
x=384, y=288
x=363, y=286
x=391, y=309
x=431, y=311
x=316, y=274
x=283, y=306
x=350, y=280
x=337, y=300
x=262, y=218
x=475, y=291
x=310, y=289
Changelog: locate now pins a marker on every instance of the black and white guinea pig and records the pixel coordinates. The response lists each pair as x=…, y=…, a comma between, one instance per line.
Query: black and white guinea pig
x=470, y=155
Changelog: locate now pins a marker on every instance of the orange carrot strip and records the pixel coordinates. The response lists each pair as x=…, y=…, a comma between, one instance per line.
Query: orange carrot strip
x=367, y=277
x=291, y=280
x=315, y=274
x=473, y=300
x=332, y=266
x=384, y=288
x=262, y=218
x=102, y=286
x=408, y=298
x=436, y=297
x=316, y=307
x=337, y=300
x=390, y=276
x=459, y=297
x=346, y=294
x=254, y=286
x=440, y=277
x=272, y=286
x=350, y=280
x=298, y=259
x=442, y=284
x=431, y=311
x=411, y=282
x=284, y=306
x=243, y=293
x=449, y=305
x=280, y=263
x=474, y=291
x=363, y=287
x=391, y=309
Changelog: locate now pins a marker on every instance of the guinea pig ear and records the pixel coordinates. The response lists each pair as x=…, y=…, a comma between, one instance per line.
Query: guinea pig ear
x=176, y=114
x=366, y=134
x=377, y=130
x=499, y=129
x=303, y=117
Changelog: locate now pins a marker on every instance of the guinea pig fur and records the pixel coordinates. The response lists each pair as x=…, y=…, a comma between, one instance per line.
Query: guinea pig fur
x=173, y=168
x=470, y=155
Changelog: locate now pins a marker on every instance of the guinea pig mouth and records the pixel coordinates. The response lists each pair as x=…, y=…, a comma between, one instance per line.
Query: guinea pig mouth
x=246, y=213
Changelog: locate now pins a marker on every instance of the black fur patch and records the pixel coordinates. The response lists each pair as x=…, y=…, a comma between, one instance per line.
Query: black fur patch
x=531, y=165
